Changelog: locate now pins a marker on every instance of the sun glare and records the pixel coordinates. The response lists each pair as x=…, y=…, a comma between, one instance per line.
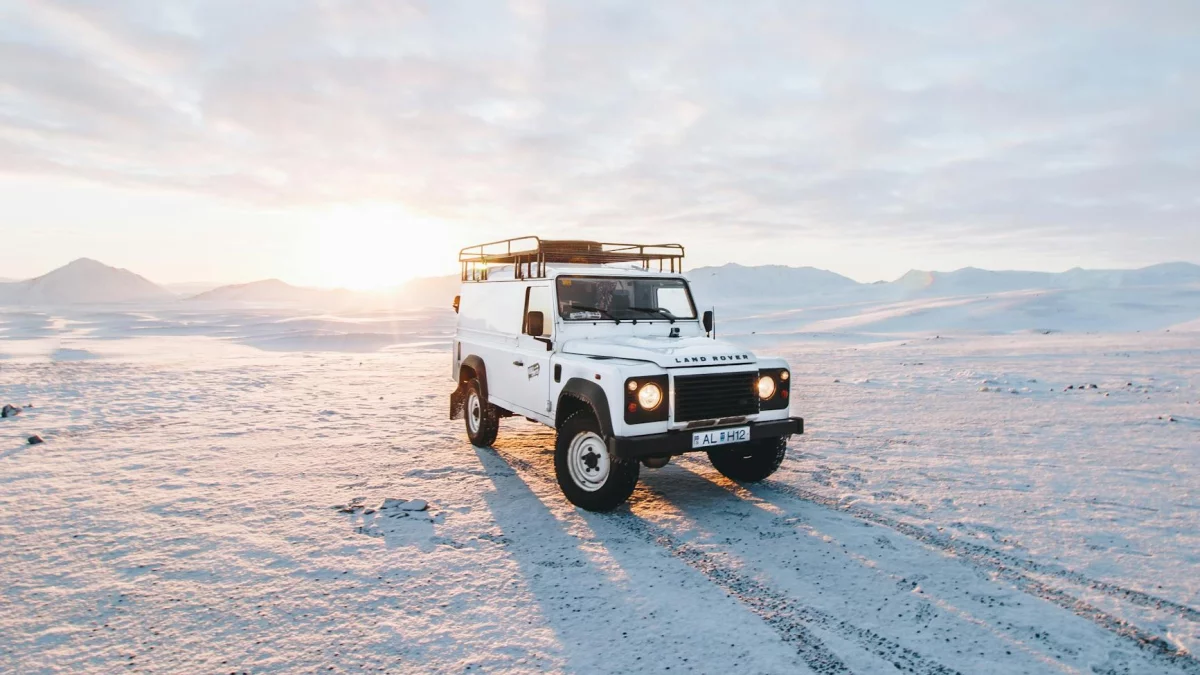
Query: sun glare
x=366, y=247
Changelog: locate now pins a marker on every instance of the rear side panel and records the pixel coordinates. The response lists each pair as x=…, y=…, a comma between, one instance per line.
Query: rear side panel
x=489, y=321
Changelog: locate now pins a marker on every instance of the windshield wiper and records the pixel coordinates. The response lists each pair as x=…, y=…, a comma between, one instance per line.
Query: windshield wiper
x=656, y=310
x=603, y=312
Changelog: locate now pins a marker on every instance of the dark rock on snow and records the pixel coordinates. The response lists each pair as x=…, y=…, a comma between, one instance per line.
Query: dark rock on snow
x=35, y=439
x=10, y=410
x=404, y=504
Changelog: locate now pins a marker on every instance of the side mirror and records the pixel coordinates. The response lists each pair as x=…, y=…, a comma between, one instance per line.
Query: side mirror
x=457, y=300
x=535, y=322
x=708, y=321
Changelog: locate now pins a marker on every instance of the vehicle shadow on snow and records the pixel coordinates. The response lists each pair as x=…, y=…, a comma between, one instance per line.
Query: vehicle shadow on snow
x=564, y=580
x=679, y=488
x=573, y=587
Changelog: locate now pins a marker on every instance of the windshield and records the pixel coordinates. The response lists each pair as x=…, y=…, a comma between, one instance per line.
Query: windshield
x=624, y=299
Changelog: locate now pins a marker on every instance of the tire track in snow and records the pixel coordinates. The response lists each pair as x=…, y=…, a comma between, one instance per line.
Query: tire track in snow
x=785, y=615
x=991, y=559
x=789, y=618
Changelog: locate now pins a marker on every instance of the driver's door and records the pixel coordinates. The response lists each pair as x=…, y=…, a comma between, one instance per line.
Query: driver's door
x=532, y=390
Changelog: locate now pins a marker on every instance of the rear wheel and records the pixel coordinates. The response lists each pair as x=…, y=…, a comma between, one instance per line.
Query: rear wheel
x=750, y=462
x=483, y=422
x=590, y=476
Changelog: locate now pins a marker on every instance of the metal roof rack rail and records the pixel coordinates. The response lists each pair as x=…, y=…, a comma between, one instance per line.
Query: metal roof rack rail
x=530, y=255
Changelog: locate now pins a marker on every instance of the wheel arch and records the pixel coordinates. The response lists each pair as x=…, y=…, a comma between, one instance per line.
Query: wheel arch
x=580, y=394
x=473, y=368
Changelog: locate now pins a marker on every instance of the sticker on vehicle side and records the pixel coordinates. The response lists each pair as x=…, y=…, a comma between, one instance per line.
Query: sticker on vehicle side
x=535, y=370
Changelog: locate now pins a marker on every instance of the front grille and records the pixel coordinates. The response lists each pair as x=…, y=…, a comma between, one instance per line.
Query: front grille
x=702, y=397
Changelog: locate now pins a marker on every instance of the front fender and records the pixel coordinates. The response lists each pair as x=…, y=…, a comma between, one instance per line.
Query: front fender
x=591, y=393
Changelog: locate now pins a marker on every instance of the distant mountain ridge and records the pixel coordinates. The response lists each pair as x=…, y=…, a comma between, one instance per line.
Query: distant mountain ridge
x=735, y=285
x=969, y=280
x=189, y=288
x=89, y=281
x=421, y=292
x=429, y=291
x=733, y=280
x=273, y=291
x=1159, y=297
x=83, y=281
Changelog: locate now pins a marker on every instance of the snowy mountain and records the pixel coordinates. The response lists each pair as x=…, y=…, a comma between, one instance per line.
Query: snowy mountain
x=806, y=285
x=274, y=291
x=766, y=281
x=795, y=301
x=428, y=292
x=1166, y=274
x=83, y=281
x=188, y=289
x=971, y=280
x=765, y=300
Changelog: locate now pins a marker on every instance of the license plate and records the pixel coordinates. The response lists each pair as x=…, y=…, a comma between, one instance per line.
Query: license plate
x=705, y=439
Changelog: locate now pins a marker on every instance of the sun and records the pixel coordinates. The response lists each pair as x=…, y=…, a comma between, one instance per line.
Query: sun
x=375, y=246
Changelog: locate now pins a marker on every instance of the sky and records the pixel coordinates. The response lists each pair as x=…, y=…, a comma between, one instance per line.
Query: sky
x=360, y=143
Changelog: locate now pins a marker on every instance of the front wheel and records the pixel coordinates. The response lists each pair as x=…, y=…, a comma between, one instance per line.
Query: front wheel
x=750, y=462
x=590, y=477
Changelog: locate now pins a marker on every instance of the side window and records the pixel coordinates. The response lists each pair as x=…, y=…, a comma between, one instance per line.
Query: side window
x=537, y=299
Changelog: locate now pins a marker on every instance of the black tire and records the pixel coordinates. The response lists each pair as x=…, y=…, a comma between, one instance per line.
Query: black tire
x=750, y=462
x=580, y=442
x=483, y=422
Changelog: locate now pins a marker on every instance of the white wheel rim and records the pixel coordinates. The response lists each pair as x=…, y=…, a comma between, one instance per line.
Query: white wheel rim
x=588, y=462
x=474, y=413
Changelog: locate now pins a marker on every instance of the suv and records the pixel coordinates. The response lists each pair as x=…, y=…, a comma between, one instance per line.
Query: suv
x=603, y=343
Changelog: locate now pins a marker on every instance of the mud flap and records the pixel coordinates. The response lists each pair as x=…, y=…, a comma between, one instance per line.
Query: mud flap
x=458, y=401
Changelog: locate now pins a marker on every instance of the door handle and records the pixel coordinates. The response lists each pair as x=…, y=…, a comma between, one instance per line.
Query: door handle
x=518, y=363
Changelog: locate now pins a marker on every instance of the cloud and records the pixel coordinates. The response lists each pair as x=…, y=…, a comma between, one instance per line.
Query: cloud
x=932, y=122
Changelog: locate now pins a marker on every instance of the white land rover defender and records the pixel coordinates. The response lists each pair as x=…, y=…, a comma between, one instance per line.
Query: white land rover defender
x=603, y=343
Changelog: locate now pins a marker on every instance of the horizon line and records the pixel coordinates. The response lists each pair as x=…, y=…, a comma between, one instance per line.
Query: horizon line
x=214, y=285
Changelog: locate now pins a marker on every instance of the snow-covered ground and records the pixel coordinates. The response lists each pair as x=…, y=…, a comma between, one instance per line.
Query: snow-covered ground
x=960, y=503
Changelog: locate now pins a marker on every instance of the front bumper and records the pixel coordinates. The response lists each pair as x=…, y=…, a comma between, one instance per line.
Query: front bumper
x=679, y=442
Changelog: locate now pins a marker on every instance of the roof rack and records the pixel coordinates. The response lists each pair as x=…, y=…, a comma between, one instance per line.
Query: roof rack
x=530, y=255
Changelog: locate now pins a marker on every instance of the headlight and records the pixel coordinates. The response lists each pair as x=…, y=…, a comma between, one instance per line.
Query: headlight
x=766, y=387
x=650, y=396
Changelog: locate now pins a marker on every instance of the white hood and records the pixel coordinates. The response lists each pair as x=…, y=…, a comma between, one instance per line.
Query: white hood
x=690, y=352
